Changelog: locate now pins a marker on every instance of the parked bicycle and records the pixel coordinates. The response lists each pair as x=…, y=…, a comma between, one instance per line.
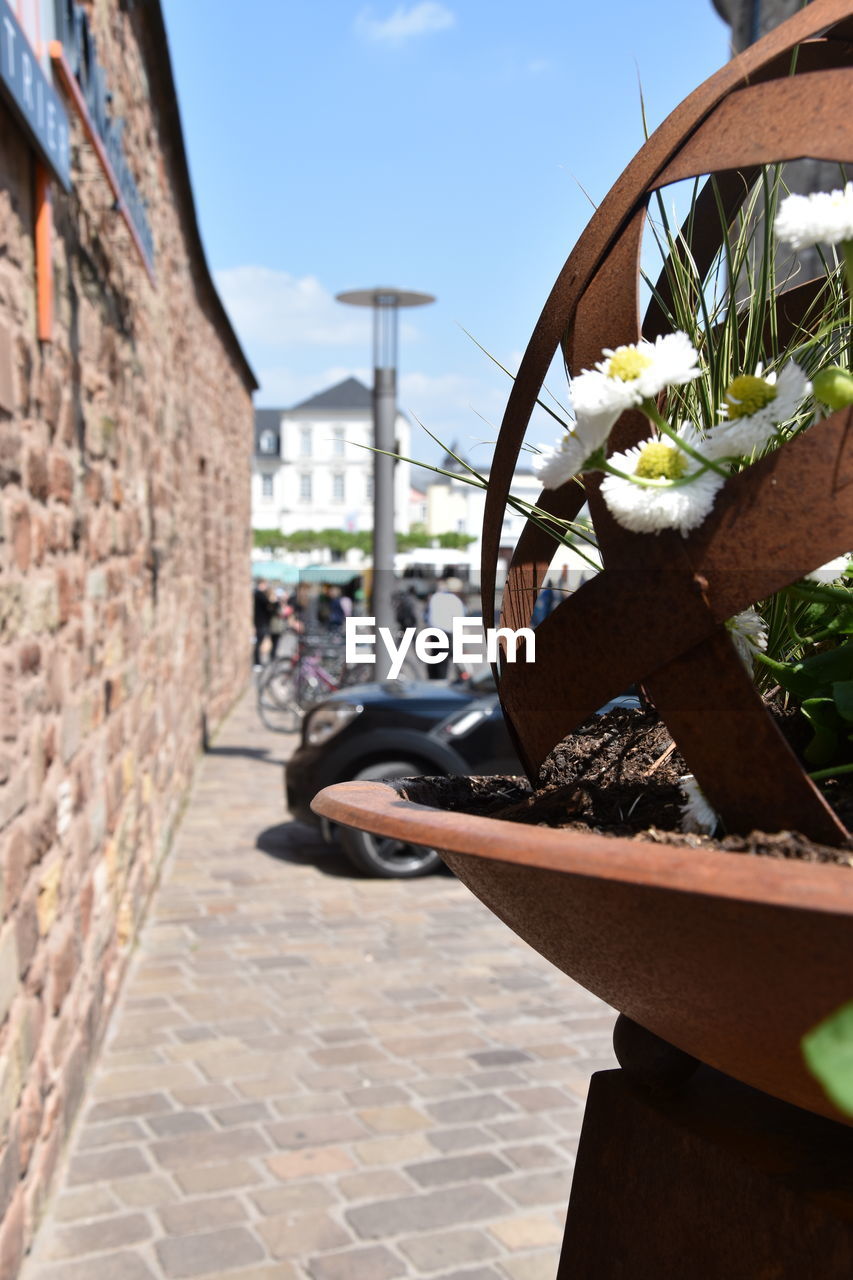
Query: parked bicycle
x=306, y=669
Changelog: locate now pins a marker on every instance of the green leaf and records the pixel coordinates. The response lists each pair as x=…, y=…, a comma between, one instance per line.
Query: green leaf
x=842, y=694
x=828, y=1053
x=834, y=664
x=823, y=718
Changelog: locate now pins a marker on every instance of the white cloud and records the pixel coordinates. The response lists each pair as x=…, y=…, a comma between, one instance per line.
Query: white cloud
x=405, y=24
x=276, y=310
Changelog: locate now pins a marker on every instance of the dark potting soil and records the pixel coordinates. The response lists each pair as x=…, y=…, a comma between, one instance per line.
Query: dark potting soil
x=618, y=774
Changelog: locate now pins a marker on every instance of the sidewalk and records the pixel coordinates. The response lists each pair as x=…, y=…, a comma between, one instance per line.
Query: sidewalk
x=313, y=1076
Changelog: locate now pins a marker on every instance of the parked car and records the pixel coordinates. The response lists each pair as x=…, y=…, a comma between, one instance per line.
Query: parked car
x=399, y=730
x=396, y=729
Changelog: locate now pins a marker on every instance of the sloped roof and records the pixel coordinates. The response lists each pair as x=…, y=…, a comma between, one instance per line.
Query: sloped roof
x=267, y=420
x=349, y=394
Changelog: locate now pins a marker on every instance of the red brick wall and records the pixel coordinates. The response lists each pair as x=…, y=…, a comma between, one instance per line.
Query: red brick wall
x=124, y=598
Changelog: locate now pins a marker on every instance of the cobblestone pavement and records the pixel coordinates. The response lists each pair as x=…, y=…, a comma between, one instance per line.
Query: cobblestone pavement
x=314, y=1075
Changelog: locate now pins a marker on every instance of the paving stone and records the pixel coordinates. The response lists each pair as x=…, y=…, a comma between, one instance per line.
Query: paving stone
x=92, y=1202
x=372, y=1263
x=541, y=1099
x=400, y=1119
x=193, y=1216
x=145, y=1192
x=179, y=1123
x=241, y=1113
x=380, y=1184
x=208, y=1148
x=207, y=1254
x=479, y=1273
x=314, y=1131
x=390, y=1151
x=310, y=1162
x=448, y=1248
x=268, y=1271
x=459, y=1139
x=481, y=1106
x=534, y=1266
x=519, y=1130
x=532, y=1155
x=93, y=1237
x=524, y=1233
x=143, y=1104
x=111, y=1134
x=217, y=1177
x=296, y=1235
x=204, y=1095
x=106, y=1165
x=377, y=1095
x=548, y=1187
x=446, y=1208
x=111, y=1266
x=476, y=1165
x=294, y=1197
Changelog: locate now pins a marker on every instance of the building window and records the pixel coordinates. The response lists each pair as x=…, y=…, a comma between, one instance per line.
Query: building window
x=305, y=486
x=368, y=487
x=305, y=442
x=338, y=442
x=337, y=486
x=266, y=487
x=267, y=442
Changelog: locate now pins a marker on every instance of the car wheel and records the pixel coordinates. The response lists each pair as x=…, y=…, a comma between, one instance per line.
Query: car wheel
x=382, y=856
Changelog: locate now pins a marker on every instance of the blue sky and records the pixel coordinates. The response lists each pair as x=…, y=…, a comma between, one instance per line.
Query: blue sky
x=431, y=145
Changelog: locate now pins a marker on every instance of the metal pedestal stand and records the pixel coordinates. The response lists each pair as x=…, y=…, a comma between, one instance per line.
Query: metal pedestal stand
x=685, y=1174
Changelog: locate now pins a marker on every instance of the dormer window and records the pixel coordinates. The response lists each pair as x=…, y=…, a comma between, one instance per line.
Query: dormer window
x=267, y=442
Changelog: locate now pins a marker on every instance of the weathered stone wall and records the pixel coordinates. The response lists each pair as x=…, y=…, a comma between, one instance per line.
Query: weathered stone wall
x=124, y=595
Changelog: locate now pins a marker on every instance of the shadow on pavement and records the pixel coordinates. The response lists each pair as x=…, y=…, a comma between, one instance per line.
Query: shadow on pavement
x=262, y=754
x=297, y=842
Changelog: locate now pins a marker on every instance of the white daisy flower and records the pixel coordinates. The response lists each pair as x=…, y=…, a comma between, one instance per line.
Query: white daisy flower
x=556, y=465
x=630, y=374
x=662, y=504
x=696, y=813
x=754, y=406
x=645, y=368
x=831, y=571
x=748, y=632
x=824, y=217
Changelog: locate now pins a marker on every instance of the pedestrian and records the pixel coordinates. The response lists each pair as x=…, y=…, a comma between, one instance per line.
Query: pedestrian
x=443, y=606
x=263, y=609
x=337, y=613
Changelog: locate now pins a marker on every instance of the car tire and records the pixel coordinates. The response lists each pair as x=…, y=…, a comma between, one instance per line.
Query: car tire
x=381, y=856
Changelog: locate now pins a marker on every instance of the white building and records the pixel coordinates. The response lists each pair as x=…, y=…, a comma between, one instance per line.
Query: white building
x=454, y=506
x=313, y=466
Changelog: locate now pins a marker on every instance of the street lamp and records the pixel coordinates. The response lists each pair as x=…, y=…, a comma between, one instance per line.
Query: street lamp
x=385, y=303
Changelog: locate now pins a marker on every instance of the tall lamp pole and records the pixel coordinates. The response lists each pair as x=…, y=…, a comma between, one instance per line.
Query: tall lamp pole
x=385, y=303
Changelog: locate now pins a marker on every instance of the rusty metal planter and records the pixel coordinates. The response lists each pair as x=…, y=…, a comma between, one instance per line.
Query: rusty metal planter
x=730, y=958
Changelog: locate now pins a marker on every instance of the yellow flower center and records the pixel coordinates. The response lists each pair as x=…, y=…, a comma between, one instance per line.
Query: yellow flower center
x=627, y=363
x=747, y=394
x=660, y=462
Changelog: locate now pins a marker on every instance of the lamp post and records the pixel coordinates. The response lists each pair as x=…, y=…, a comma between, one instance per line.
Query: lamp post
x=385, y=303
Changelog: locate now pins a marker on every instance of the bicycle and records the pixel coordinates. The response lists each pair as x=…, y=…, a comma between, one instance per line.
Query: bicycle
x=311, y=669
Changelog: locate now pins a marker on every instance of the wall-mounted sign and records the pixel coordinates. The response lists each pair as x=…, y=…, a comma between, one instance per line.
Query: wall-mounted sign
x=32, y=97
x=75, y=56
